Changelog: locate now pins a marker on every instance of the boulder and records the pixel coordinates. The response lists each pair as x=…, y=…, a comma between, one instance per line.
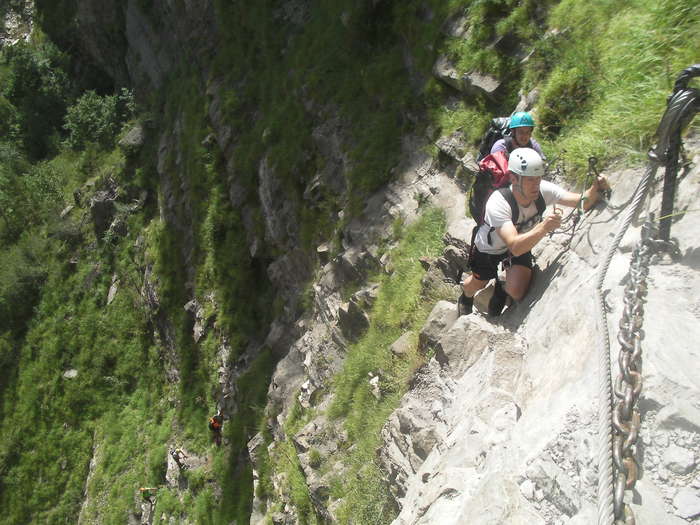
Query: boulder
x=454, y=145
x=443, y=316
x=687, y=503
x=352, y=320
x=679, y=460
x=134, y=139
x=471, y=83
x=71, y=373
x=366, y=297
x=403, y=345
x=354, y=264
x=453, y=262
x=113, y=288
x=679, y=414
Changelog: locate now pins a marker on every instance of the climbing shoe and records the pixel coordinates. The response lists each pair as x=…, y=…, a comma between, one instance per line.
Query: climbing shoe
x=498, y=300
x=465, y=305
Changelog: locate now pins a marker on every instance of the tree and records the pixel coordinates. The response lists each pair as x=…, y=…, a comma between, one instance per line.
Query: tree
x=36, y=85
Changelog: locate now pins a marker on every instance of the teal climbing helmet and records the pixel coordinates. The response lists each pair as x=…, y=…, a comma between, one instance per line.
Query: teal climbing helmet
x=521, y=119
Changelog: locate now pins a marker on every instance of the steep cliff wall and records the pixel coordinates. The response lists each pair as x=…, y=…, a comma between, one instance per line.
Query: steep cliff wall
x=511, y=408
x=310, y=214
x=500, y=426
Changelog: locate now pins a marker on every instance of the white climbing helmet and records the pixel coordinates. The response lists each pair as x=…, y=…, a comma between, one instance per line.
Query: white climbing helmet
x=526, y=162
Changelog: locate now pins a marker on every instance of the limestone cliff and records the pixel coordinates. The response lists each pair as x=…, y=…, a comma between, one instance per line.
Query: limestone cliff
x=498, y=424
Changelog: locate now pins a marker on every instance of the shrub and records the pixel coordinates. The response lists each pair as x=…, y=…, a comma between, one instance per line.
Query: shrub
x=36, y=84
x=28, y=194
x=315, y=458
x=22, y=274
x=98, y=119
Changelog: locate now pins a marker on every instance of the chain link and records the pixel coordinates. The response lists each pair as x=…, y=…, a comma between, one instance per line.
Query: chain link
x=628, y=386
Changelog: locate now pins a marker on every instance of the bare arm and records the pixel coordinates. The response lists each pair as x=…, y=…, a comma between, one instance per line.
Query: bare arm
x=520, y=243
x=590, y=196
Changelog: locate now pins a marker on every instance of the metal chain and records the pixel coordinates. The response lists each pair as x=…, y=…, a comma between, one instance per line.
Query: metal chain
x=605, y=462
x=681, y=107
x=628, y=386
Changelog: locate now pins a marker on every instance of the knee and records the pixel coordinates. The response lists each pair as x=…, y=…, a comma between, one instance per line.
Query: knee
x=518, y=295
x=516, y=291
x=472, y=285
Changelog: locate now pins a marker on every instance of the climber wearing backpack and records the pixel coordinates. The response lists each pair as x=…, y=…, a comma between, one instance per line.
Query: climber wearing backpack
x=520, y=126
x=148, y=493
x=512, y=225
x=215, y=424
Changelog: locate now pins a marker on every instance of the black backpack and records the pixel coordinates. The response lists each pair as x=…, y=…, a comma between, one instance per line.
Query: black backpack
x=498, y=129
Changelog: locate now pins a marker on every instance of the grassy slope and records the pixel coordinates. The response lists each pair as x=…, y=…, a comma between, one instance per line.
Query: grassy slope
x=606, y=79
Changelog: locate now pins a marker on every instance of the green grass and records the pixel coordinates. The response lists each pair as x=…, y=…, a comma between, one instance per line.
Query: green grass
x=603, y=76
x=636, y=49
x=399, y=308
x=54, y=422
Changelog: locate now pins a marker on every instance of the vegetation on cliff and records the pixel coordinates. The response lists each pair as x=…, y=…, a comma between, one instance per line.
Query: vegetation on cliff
x=603, y=70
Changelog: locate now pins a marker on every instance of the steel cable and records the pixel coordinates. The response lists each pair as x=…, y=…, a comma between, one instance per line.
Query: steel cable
x=605, y=463
x=681, y=108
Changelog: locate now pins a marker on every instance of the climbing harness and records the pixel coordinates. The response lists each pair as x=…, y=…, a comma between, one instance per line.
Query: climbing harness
x=618, y=426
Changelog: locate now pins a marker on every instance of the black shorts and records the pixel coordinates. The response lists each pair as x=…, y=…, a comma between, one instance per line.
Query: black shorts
x=484, y=266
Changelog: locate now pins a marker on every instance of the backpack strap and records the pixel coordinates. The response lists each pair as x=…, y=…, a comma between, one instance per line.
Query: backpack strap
x=509, y=144
x=507, y=193
x=510, y=199
x=514, y=210
x=540, y=204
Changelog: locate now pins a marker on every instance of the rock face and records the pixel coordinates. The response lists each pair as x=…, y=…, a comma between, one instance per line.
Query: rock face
x=503, y=419
x=500, y=425
x=129, y=42
x=304, y=374
x=471, y=83
x=17, y=22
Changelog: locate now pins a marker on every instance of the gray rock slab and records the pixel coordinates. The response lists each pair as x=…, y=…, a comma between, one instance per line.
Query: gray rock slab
x=687, y=503
x=441, y=318
x=557, y=486
x=648, y=505
x=402, y=345
x=586, y=516
x=679, y=460
x=353, y=322
x=679, y=414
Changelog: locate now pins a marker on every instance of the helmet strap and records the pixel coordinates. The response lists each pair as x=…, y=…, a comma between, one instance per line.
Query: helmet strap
x=517, y=189
x=517, y=186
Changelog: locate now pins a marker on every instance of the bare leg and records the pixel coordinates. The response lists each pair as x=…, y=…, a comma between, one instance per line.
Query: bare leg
x=471, y=285
x=517, y=281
